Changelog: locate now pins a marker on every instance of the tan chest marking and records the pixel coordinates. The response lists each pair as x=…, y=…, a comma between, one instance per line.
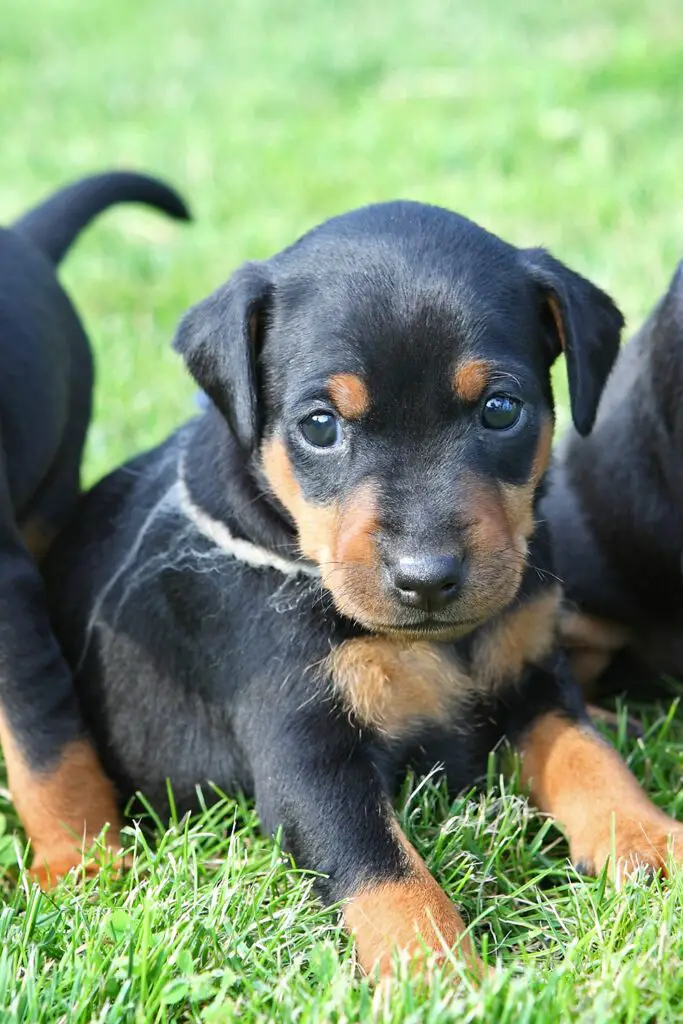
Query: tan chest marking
x=389, y=685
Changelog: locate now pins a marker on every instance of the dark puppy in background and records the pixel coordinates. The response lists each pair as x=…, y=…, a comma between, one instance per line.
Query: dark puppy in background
x=615, y=508
x=338, y=570
x=61, y=793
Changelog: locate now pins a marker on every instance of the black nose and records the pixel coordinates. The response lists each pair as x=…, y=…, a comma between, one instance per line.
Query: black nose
x=430, y=582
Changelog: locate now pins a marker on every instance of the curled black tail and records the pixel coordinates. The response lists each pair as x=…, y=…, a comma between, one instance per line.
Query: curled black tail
x=54, y=224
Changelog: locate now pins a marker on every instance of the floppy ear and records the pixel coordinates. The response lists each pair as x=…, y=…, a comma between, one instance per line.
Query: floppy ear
x=219, y=340
x=583, y=322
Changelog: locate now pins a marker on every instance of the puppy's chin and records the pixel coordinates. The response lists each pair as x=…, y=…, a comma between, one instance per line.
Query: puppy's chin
x=438, y=632
x=387, y=620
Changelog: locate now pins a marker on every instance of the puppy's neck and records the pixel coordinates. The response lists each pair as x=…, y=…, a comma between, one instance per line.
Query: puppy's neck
x=223, y=490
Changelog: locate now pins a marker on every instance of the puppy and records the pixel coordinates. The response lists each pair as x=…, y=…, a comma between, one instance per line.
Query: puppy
x=615, y=508
x=61, y=794
x=337, y=570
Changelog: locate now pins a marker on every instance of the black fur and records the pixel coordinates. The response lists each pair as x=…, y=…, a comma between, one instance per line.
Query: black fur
x=45, y=406
x=615, y=502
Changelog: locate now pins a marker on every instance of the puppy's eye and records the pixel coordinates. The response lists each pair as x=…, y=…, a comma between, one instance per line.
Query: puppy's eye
x=501, y=412
x=321, y=429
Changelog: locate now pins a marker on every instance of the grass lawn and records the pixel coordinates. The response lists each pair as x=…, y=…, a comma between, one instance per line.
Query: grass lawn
x=555, y=124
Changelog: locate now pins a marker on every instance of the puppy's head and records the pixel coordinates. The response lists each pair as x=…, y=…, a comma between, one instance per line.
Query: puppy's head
x=390, y=373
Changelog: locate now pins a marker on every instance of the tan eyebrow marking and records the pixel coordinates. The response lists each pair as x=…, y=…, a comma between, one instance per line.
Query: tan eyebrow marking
x=349, y=394
x=470, y=379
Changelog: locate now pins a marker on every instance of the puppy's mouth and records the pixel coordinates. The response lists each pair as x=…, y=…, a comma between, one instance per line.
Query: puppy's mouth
x=427, y=627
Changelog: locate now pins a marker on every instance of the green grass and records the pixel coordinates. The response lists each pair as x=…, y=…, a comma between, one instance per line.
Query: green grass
x=555, y=124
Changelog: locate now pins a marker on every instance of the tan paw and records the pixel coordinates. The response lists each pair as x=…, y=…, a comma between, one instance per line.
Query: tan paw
x=630, y=846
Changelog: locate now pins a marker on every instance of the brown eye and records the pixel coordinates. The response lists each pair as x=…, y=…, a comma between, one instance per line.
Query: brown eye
x=321, y=429
x=501, y=412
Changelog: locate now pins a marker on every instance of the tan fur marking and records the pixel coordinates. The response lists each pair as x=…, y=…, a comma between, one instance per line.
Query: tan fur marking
x=543, y=450
x=391, y=686
x=581, y=781
x=316, y=525
x=62, y=811
x=349, y=394
x=591, y=644
x=518, y=500
x=587, y=666
x=339, y=538
x=354, y=575
x=37, y=536
x=405, y=916
x=470, y=380
x=523, y=636
x=557, y=317
x=357, y=528
x=488, y=531
x=497, y=556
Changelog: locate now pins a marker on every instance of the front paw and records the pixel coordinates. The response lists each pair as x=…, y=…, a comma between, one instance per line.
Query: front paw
x=629, y=845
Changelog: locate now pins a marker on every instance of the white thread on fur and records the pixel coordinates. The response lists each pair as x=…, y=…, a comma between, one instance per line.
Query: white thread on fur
x=176, y=500
x=238, y=548
x=168, y=500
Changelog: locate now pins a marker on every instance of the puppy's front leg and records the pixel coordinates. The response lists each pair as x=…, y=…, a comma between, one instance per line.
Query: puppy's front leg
x=405, y=911
x=317, y=781
x=575, y=776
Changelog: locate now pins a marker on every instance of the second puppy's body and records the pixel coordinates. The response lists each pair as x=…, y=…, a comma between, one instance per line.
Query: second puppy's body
x=338, y=570
x=57, y=784
x=615, y=508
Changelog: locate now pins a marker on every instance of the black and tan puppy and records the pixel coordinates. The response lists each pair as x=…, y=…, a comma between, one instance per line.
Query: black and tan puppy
x=615, y=506
x=337, y=570
x=60, y=791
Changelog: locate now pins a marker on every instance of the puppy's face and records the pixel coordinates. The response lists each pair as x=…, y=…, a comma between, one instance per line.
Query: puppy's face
x=396, y=390
x=405, y=436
